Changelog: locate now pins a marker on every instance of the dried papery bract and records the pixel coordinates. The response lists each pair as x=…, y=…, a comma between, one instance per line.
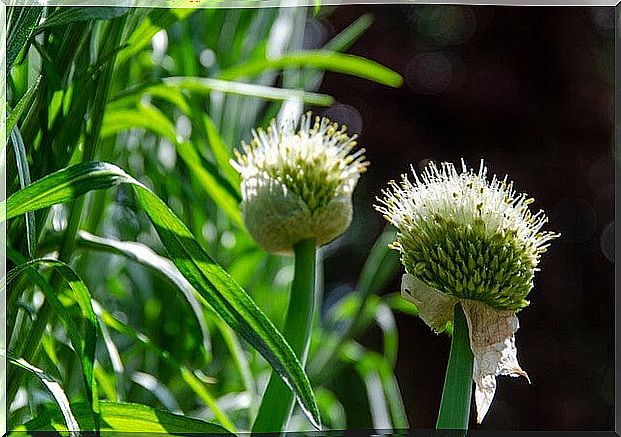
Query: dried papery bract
x=469, y=240
x=297, y=184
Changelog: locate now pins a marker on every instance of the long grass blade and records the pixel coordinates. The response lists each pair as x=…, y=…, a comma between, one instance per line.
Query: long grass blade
x=157, y=20
x=23, y=105
x=145, y=256
x=85, y=349
x=186, y=374
x=215, y=287
x=20, y=32
x=68, y=15
x=324, y=60
x=125, y=418
x=221, y=153
x=55, y=389
x=23, y=173
x=205, y=86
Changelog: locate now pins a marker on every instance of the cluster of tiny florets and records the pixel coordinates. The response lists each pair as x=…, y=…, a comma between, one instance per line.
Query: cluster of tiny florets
x=297, y=182
x=467, y=236
x=315, y=162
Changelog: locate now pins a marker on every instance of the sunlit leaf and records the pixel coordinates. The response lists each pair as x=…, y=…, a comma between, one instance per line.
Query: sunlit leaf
x=85, y=345
x=66, y=15
x=215, y=287
x=324, y=60
x=124, y=417
x=67, y=418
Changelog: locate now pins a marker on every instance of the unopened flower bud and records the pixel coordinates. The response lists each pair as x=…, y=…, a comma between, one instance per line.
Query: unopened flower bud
x=298, y=185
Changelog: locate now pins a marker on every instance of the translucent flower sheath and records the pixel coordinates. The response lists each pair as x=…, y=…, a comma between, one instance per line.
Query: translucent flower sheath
x=468, y=240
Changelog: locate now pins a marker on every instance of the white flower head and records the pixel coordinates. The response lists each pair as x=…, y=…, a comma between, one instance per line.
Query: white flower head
x=464, y=238
x=298, y=183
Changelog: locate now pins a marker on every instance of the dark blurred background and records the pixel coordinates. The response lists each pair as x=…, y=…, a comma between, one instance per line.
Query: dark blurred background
x=530, y=90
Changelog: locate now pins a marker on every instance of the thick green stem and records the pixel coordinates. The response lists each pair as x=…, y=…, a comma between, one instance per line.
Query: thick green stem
x=278, y=401
x=455, y=406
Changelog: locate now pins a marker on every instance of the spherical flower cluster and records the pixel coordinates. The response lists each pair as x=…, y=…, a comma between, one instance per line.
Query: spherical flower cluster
x=466, y=239
x=297, y=184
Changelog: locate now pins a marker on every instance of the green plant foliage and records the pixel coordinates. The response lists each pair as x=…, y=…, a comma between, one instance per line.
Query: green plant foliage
x=124, y=417
x=142, y=303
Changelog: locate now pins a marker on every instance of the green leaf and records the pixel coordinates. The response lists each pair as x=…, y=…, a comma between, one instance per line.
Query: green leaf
x=202, y=85
x=396, y=302
x=124, y=417
x=214, y=185
x=151, y=118
x=67, y=418
x=349, y=35
x=157, y=20
x=324, y=60
x=145, y=256
x=22, y=106
x=385, y=398
x=24, y=180
x=66, y=15
x=20, y=32
x=221, y=153
x=380, y=266
x=186, y=374
x=146, y=117
x=214, y=285
x=85, y=346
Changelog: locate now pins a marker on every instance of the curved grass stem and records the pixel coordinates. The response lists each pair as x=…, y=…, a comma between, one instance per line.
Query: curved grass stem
x=455, y=405
x=278, y=401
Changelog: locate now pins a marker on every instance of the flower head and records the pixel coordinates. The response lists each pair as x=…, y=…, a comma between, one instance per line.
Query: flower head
x=464, y=238
x=298, y=184
x=467, y=236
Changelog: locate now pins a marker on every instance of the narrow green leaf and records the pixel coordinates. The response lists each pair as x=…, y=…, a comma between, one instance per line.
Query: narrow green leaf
x=325, y=60
x=396, y=302
x=20, y=32
x=221, y=153
x=67, y=15
x=151, y=118
x=202, y=85
x=350, y=34
x=145, y=256
x=214, y=185
x=381, y=384
x=157, y=20
x=67, y=419
x=146, y=117
x=385, y=319
x=62, y=186
x=186, y=374
x=380, y=266
x=22, y=105
x=23, y=173
x=124, y=417
x=214, y=285
x=85, y=349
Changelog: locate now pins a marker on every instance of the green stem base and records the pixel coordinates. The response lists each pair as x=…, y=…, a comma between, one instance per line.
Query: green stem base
x=278, y=400
x=454, y=411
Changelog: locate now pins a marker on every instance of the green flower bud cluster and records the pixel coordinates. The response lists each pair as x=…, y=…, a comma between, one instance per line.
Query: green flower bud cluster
x=298, y=183
x=467, y=237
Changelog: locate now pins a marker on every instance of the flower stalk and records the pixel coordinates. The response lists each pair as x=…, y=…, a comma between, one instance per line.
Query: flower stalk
x=278, y=401
x=470, y=247
x=455, y=405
